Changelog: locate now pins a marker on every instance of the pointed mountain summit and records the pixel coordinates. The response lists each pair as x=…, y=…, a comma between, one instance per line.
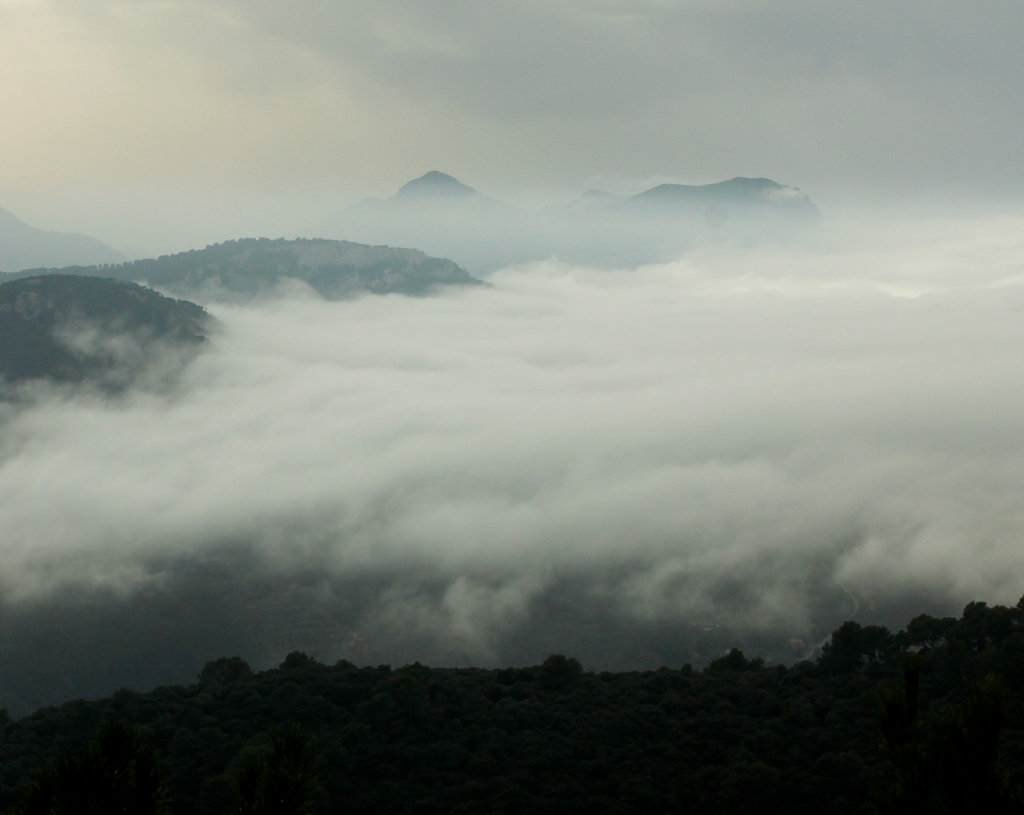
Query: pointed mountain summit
x=23, y=247
x=436, y=184
x=442, y=216
x=437, y=189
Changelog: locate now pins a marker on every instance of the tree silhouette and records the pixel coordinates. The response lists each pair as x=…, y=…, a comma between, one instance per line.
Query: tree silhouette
x=280, y=778
x=559, y=672
x=117, y=774
x=949, y=762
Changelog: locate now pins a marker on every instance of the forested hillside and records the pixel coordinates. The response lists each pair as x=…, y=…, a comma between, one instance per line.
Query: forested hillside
x=70, y=328
x=245, y=269
x=928, y=719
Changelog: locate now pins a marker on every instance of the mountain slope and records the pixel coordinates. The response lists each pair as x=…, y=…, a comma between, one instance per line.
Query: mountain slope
x=23, y=246
x=69, y=328
x=255, y=267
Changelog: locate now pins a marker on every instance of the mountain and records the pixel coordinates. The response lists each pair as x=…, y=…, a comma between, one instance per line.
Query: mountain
x=68, y=328
x=436, y=190
x=23, y=247
x=446, y=217
x=746, y=196
x=434, y=185
x=258, y=267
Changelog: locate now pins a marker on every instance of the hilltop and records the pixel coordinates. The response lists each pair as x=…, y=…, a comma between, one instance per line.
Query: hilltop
x=258, y=267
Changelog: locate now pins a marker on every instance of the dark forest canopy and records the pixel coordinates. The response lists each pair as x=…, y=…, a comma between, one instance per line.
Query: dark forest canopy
x=927, y=719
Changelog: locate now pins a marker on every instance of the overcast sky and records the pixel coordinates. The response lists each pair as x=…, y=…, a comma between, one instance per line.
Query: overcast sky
x=163, y=122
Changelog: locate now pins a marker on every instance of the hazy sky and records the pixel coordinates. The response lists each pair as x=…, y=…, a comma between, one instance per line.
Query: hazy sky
x=160, y=122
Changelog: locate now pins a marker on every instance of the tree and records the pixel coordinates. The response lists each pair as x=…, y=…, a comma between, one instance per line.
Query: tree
x=279, y=778
x=559, y=672
x=116, y=774
x=927, y=631
x=226, y=669
x=852, y=644
x=735, y=661
x=949, y=762
x=296, y=660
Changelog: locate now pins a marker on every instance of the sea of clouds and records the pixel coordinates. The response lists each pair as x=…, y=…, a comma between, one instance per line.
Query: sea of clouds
x=754, y=444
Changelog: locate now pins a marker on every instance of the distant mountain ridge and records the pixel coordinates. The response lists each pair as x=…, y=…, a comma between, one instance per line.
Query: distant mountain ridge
x=442, y=189
x=23, y=246
x=72, y=329
x=255, y=267
x=737, y=192
x=444, y=216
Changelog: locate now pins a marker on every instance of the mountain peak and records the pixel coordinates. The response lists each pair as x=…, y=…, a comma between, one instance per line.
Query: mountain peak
x=436, y=183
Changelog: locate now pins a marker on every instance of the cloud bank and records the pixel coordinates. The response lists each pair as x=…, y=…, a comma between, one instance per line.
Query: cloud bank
x=634, y=467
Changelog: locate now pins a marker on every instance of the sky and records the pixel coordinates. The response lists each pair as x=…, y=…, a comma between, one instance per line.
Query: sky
x=163, y=124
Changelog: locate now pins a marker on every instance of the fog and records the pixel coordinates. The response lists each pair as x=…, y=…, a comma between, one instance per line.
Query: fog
x=636, y=467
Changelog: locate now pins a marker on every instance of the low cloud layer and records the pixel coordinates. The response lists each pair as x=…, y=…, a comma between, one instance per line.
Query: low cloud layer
x=612, y=464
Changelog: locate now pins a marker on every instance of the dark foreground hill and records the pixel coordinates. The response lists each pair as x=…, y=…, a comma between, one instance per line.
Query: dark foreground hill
x=925, y=720
x=73, y=329
x=258, y=267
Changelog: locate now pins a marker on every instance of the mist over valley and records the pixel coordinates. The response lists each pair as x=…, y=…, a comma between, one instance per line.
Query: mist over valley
x=474, y=334
x=636, y=466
